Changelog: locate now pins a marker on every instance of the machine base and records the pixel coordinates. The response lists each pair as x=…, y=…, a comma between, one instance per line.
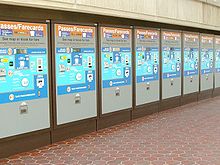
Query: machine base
x=144, y=110
x=216, y=92
x=189, y=98
x=114, y=118
x=205, y=94
x=74, y=129
x=170, y=103
x=25, y=142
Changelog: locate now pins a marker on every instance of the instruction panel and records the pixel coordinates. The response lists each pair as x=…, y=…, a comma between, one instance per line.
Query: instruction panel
x=191, y=54
x=171, y=55
x=75, y=58
x=147, y=55
x=23, y=61
x=217, y=54
x=116, y=57
x=206, y=55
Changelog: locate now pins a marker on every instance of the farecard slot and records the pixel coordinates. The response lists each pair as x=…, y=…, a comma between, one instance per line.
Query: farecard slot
x=2, y=72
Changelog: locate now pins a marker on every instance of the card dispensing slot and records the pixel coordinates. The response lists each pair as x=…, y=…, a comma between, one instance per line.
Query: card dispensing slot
x=171, y=82
x=117, y=92
x=148, y=86
x=77, y=99
x=23, y=108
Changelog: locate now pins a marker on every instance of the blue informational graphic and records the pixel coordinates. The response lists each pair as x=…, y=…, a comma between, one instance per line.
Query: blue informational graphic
x=116, y=67
x=206, y=61
x=147, y=64
x=171, y=67
x=75, y=70
x=75, y=59
x=191, y=60
x=26, y=72
x=217, y=60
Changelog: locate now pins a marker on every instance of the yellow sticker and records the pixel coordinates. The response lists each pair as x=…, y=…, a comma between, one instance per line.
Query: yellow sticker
x=4, y=60
x=63, y=57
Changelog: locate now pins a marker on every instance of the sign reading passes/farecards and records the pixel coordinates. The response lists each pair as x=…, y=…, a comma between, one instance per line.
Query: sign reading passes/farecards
x=75, y=58
x=147, y=55
x=206, y=55
x=116, y=57
x=23, y=61
x=191, y=54
x=171, y=55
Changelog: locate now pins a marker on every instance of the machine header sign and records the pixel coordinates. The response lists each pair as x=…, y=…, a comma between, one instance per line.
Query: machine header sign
x=75, y=58
x=116, y=56
x=23, y=61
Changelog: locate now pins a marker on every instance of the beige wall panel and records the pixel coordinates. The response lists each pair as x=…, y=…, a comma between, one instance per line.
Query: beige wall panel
x=190, y=11
x=211, y=15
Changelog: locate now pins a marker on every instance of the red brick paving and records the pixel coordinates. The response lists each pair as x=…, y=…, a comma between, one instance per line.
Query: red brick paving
x=187, y=135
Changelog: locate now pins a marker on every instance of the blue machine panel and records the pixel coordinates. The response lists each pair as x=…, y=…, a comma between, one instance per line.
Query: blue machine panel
x=23, y=62
x=147, y=55
x=217, y=54
x=75, y=64
x=191, y=60
x=206, y=61
x=171, y=62
x=116, y=58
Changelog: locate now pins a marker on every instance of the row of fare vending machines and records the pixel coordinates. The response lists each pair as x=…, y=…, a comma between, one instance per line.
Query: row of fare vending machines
x=81, y=68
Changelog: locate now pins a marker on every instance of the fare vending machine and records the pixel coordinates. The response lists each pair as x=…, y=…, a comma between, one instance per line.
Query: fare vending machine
x=24, y=103
x=207, y=62
x=147, y=45
x=190, y=63
x=171, y=64
x=75, y=55
x=116, y=69
x=217, y=62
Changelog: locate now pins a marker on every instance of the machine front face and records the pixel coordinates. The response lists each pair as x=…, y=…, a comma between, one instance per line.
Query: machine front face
x=206, y=62
x=23, y=78
x=217, y=61
x=171, y=64
x=75, y=54
x=116, y=69
x=147, y=65
x=191, y=63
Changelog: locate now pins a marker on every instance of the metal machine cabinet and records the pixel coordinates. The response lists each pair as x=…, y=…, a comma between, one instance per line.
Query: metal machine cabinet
x=217, y=61
x=206, y=62
x=147, y=43
x=171, y=64
x=116, y=69
x=24, y=102
x=75, y=55
x=190, y=63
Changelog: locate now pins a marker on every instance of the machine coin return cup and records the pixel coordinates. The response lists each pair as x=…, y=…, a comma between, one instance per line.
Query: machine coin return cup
x=148, y=86
x=171, y=82
x=191, y=79
x=206, y=76
x=77, y=99
x=117, y=92
x=23, y=108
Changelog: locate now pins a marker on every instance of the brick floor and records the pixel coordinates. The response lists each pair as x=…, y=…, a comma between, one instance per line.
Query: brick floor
x=188, y=135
